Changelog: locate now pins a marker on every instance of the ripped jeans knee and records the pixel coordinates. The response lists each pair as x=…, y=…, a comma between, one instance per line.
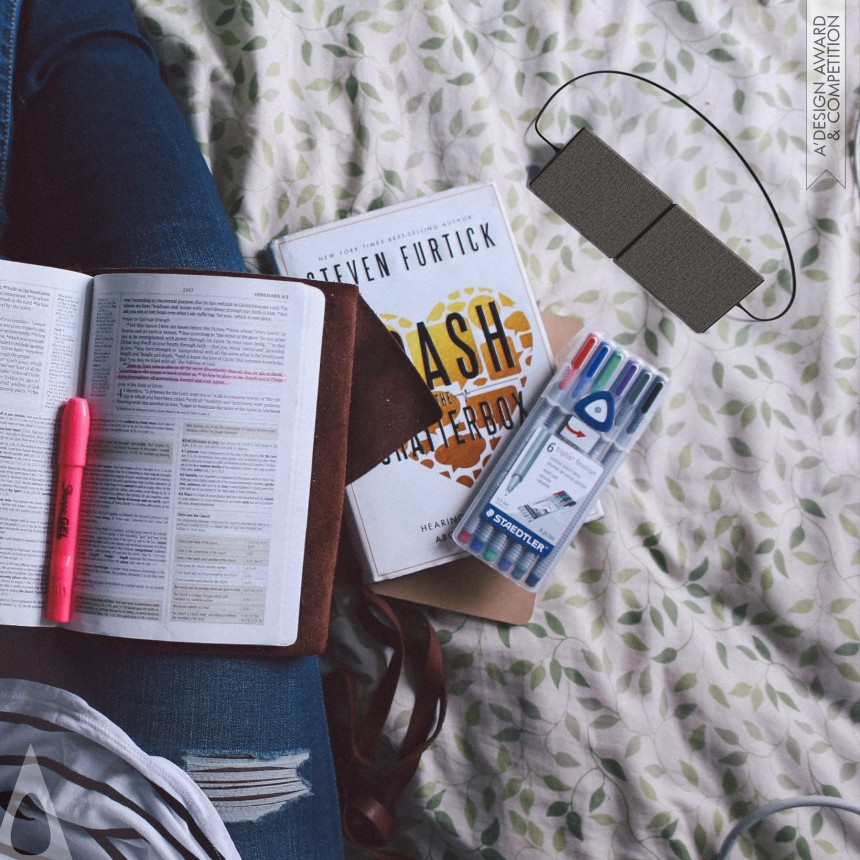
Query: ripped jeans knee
x=245, y=787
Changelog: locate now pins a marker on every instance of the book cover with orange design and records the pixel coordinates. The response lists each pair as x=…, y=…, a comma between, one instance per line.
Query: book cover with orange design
x=445, y=276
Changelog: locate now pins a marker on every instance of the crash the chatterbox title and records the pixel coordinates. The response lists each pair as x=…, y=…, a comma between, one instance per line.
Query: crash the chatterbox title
x=473, y=350
x=444, y=274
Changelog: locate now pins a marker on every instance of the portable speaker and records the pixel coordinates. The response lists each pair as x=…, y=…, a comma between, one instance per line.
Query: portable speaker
x=681, y=263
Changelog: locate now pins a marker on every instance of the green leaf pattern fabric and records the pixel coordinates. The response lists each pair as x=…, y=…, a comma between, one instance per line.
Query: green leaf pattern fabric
x=696, y=654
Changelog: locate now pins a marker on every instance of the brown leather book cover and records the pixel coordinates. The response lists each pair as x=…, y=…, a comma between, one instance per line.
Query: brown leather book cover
x=371, y=400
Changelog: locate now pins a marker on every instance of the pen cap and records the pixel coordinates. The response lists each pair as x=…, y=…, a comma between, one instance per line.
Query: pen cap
x=637, y=419
x=583, y=359
x=74, y=432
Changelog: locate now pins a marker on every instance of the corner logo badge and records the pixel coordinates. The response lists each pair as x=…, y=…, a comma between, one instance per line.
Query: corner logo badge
x=31, y=783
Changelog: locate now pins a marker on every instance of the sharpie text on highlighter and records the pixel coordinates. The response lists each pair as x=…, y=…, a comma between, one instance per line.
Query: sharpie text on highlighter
x=63, y=513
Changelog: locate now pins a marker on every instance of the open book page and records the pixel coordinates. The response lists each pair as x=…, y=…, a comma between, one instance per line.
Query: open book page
x=42, y=317
x=203, y=393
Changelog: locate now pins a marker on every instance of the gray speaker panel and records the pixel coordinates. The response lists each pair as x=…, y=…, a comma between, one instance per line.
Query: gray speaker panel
x=688, y=270
x=599, y=193
x=684, y=266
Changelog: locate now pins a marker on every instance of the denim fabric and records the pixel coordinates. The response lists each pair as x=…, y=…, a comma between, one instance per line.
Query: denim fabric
x=9, y=12
x=177, y=707
x=103, y=172
x=180, y=707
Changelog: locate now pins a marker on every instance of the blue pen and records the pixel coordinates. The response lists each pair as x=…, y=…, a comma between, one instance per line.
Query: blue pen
x=588, y=374
x=479, y=537
x=511, y=557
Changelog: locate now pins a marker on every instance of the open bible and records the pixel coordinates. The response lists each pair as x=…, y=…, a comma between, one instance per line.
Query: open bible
x=203, y=391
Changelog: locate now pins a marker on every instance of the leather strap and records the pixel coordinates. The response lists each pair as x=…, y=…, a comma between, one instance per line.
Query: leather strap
x=371, y=774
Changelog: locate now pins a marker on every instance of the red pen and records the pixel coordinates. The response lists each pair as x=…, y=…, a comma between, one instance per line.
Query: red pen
x=577, y=361
x=74, y=433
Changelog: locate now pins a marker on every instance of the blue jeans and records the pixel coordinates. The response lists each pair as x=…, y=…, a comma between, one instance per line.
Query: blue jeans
x=104, y=171
x=99, y=170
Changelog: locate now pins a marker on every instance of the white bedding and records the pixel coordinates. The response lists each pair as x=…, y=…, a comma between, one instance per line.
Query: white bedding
x=696, y=654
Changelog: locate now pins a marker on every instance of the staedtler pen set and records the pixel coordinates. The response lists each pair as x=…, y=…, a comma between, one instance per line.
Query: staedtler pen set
x=540, y=492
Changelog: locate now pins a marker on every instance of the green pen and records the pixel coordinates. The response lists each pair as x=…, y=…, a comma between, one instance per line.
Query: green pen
x=608, y=371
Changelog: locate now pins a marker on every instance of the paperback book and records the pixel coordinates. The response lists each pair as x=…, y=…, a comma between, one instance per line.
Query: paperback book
x=445, y=276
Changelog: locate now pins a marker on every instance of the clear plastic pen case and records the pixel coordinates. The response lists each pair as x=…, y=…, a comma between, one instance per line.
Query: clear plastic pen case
x=537, y=496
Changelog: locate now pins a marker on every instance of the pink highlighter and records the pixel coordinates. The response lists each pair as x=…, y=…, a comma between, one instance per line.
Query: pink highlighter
x=74, y=434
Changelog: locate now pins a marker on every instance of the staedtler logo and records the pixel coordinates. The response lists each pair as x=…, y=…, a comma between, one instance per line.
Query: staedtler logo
x=23, y=826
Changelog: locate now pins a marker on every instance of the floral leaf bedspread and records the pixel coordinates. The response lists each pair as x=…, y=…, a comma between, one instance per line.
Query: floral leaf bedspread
x=696, y=654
